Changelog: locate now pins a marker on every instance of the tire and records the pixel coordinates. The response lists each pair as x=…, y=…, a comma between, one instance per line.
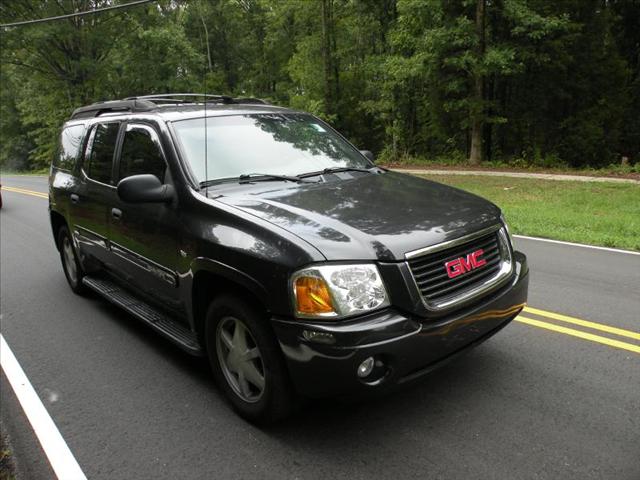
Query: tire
x=256, y=382
x=70, y=264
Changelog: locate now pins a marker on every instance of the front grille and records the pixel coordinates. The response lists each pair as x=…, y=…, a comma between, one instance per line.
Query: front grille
x=430, y=273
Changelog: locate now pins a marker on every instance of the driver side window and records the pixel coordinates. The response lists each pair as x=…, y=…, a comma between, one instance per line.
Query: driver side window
x=141, y=153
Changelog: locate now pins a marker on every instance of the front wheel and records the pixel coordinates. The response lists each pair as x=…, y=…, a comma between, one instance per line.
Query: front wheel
x=246, y=360
x=70, y=264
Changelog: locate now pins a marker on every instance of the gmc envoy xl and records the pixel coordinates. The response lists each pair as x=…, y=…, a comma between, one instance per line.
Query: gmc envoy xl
x=259, y=237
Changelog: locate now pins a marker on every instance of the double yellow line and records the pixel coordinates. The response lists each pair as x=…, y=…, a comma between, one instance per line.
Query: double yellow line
x=585, y=335
x=26, y=192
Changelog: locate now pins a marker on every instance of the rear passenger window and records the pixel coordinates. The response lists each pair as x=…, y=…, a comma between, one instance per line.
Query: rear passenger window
x=141, y=153
x=99, y=161
x=69, y=147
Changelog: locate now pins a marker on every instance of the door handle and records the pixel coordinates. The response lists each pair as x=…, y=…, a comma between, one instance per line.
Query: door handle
x=116, y=213
x=74, y=198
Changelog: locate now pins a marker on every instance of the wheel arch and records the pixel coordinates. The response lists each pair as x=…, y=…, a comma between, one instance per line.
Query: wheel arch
x=212, y=279
x=57, y=222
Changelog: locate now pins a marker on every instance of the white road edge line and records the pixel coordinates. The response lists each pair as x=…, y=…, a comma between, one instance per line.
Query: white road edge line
x=606, y=249
x=60, y=457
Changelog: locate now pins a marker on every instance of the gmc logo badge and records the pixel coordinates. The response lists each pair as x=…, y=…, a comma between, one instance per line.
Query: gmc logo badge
x=461, y=265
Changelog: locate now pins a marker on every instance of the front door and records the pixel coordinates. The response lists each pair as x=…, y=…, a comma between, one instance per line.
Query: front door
x=143, y=237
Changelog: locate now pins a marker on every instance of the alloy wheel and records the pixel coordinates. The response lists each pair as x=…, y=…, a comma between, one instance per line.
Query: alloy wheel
x=240, y=359
x=69, y=260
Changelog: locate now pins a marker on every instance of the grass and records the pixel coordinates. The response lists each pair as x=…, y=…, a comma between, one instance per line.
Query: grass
x=604, y=214
x=40, y=171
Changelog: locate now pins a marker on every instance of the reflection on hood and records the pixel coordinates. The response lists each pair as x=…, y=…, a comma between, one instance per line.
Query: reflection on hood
x=367, y=216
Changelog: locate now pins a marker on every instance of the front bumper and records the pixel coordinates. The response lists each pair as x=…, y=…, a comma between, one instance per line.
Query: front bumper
x=323, y=357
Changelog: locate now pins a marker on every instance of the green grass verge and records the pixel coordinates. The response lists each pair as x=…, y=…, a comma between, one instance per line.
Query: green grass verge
x=604, y=214
x=7, y=173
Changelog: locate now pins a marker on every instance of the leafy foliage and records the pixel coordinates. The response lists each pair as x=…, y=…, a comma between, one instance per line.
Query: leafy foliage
x=528, y=79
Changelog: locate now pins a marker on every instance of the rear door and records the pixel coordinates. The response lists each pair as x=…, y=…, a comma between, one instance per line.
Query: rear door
x=143, y=237
x=64, y=172
x=94, y=192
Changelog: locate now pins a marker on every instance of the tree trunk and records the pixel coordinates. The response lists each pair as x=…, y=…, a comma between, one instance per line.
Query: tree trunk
x=487, y=132
x=327, y=55
x=477, y=120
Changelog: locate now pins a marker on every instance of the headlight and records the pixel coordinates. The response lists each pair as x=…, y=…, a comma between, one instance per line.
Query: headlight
x=506, y=227
x=336, y=291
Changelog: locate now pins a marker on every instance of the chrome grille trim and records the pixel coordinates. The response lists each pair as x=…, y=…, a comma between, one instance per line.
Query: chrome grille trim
x=479, y=285
x=451, y=243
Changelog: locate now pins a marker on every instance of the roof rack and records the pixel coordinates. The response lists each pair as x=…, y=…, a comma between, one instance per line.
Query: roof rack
x=250, y=100
x=99, y=108
x=147, y=103
x=183, y=98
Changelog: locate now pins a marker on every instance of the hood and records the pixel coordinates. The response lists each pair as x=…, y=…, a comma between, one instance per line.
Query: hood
x=365, y=216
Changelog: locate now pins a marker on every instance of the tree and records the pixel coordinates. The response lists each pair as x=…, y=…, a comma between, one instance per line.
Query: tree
x=477, y=106
x=535, y=81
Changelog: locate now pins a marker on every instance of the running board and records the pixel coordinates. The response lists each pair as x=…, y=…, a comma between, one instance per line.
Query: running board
x=153, y=317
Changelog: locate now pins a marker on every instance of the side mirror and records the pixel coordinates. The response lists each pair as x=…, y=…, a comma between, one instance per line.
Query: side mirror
x=369, y=155
x=144, y=189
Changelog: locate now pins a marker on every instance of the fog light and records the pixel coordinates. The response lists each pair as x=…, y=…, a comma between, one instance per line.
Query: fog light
x=366, y=367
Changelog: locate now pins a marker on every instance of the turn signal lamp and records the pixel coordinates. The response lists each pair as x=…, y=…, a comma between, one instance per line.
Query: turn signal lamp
x=313, y=297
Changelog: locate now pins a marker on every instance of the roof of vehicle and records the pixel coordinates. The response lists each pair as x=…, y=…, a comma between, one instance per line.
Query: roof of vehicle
x=178, y=106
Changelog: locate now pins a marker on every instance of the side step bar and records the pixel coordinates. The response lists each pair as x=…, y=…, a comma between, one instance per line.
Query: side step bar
x=158, y=320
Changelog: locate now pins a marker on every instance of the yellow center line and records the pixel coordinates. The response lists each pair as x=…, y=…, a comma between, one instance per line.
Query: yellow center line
x=584, y=323
x=25, y=192
x=577, y=333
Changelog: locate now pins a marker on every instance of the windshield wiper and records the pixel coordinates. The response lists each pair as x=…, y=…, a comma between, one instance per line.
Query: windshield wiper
x=253, y=177
x=262, y=177
x=338, y=170
x=215, y=181
x=265, y=177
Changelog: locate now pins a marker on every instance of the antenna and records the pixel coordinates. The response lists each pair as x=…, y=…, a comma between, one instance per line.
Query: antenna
x=206, y=139
x=204, y=75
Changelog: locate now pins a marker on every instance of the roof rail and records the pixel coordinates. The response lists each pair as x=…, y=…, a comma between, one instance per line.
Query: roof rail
x=99, y=108
x=250, y=100
x=147, y=103
x=183, y=98
x=196, y=98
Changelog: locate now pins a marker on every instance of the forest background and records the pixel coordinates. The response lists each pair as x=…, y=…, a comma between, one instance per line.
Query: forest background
x=545, y=83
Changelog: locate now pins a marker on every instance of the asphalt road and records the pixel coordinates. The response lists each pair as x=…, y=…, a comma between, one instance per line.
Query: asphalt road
x=532, y=403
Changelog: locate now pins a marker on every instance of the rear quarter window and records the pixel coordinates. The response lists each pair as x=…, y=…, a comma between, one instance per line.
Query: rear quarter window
x=98, y=161
x=69, y=147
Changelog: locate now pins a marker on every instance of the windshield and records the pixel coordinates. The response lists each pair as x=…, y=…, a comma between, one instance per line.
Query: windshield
x=284, y=144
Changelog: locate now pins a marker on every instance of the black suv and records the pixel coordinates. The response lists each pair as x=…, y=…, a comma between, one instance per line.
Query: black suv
x=259, y=236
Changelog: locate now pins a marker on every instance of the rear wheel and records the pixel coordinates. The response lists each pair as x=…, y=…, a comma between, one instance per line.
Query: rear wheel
x=247, y=361
x=70, y=264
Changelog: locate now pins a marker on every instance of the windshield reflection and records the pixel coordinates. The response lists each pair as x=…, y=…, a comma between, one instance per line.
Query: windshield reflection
x=283, y=143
